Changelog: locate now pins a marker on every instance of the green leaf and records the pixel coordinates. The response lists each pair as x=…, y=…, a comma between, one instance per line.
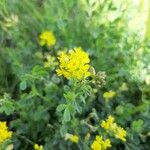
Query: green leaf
x=66, y=88
x=51, y=88
x=40, y=114
x=70, y=96
x=38, y=71
x=23, y=85
x=60, y=107
x=63, y=130
x=78, y=108
x=7, y=105
x=137, y=125
x=67, y=115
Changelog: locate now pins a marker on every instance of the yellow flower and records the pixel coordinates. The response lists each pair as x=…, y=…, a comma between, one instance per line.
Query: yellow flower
x=74, y=138
x=96, y=145
x=121, y=134
x=4, y=132
x=108, y=95
x=108, y=123
x=50, y=61
x=74, y=65
x=100, y=144
x=110, y=126
x=38, y=147
x=106, y=143
x=47, y=38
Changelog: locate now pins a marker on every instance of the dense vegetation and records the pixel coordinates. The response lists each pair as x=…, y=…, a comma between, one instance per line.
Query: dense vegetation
x=73, y=76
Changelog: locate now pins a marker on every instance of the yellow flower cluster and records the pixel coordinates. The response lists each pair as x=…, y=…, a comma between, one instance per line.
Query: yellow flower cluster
x=4, y=132
x=100, y=144
x=38, y=147
x=74, y=64
x=108, y=95
x=110, y=126
x=47, y=38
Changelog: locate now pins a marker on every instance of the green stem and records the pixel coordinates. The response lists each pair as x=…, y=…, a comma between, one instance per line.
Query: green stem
x=24, y=138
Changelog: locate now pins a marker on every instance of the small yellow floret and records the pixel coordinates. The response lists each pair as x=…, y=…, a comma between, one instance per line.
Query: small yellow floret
x=121, y=134
x=108, y=95
x=108, y=123
x=74, y=138
x=47, y=38
x=38, y=147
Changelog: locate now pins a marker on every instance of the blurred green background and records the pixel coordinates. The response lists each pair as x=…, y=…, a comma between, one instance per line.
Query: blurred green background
x=114, y=32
